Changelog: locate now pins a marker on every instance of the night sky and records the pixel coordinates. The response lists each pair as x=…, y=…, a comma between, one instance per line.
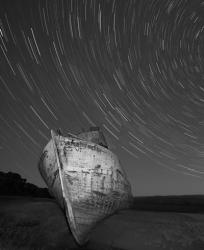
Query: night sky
x=134, y=68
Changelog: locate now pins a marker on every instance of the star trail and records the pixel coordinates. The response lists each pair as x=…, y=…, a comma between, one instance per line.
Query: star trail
x=134, y=68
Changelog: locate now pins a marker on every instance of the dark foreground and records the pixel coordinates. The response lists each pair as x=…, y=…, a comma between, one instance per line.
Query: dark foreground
x=32, y=223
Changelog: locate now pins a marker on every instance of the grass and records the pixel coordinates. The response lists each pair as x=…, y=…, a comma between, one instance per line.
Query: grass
x=31, y=223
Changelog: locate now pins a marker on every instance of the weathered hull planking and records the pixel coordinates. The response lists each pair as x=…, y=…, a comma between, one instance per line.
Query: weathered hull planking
x=87, y=181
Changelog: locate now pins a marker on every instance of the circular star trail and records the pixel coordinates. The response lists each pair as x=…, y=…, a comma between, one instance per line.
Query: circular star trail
x=134, y=68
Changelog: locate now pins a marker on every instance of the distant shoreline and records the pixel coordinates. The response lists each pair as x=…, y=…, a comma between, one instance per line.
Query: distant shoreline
x=179, y=204
x=176, y=204
x=22, y=197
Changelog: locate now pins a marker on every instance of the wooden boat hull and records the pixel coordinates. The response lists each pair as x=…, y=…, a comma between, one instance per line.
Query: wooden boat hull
x=86, y=179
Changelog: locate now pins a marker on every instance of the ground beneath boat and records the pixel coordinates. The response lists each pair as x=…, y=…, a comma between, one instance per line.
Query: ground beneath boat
x=30, y=223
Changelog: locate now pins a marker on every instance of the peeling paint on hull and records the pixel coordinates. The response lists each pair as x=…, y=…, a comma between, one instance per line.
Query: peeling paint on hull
x=86, y=179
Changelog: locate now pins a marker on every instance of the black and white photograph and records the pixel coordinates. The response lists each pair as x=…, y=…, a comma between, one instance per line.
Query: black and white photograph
x=102, y=124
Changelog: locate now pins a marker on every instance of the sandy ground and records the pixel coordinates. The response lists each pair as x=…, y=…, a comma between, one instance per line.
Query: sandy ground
x=40, y=224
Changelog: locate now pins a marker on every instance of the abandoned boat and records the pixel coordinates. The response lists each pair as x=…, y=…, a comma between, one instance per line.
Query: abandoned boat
x=86, y=179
